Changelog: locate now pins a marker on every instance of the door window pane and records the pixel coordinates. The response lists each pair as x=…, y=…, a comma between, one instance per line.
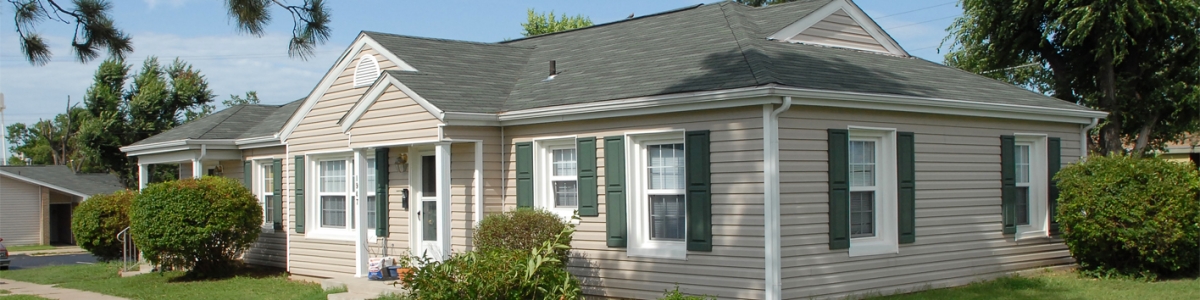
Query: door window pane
x=862, y=214
x=667, y=220
x=333, y=211
x=666, y=166
x=429, y=220
x=428, y=176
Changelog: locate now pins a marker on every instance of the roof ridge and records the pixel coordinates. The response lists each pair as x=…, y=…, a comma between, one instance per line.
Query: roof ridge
x=733, y=32
x=239, y=108
x=690, y=7
x=445, y=40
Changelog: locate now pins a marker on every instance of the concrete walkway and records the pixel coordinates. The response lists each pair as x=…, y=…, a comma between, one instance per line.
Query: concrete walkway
x=46, y=291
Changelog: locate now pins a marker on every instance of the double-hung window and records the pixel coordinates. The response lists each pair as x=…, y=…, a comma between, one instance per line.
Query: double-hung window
x=556, y=178
x=370, y=186
x=1021, y=161
x=1030, y=194
x=266, y=193
x=873, y=199
x=333, y=189
x=658, y=195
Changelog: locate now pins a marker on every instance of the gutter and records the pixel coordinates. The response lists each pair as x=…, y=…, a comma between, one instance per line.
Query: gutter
x=771, y=198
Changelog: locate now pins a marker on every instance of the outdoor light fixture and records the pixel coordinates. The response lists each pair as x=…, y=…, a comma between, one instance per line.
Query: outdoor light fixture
x=402, y=162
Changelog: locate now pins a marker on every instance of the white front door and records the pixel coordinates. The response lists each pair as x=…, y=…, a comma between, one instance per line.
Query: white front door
x=428, y=208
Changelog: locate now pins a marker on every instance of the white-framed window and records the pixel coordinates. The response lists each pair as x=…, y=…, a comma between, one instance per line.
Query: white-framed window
x=1030, y=161
x=371, y=221
x=266, y=192
x=658, y=198
x=873, y=198
x=334, y=193
x=555, y=174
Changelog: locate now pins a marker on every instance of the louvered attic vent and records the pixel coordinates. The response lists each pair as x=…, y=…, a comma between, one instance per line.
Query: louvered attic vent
x=366, y=72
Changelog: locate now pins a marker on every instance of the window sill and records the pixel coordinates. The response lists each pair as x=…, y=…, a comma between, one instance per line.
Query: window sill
x=331, y=234
x=268, y=228
x=1030, y=235
x=675, y=251
x=873, y=248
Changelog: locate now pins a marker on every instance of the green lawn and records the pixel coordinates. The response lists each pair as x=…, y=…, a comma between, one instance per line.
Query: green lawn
x=1064, y=286
x=29, y=248
x=102, y=278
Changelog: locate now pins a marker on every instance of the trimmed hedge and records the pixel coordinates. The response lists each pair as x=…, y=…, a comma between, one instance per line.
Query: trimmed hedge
x=1129, y=217
x=201, y=225
x=97, y=221
x=521, y=229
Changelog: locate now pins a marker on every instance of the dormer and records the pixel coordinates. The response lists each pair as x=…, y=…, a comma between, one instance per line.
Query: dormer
x=840, y=24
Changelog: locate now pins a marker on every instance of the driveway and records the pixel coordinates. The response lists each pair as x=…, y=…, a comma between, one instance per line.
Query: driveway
x=22, y=261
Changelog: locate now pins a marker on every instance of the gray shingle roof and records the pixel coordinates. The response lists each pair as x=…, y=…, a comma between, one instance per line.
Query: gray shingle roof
x=238, y=122
x=706, y=47
x=61, y=176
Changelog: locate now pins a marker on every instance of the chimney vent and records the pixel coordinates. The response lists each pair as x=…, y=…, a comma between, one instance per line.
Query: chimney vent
x=553, y=70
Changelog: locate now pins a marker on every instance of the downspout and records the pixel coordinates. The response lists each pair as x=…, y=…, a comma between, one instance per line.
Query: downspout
x=771, y=199
x=1083, y=138
x=503, y=172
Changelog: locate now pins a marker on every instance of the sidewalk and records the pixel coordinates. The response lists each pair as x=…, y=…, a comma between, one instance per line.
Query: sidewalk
x=62, y=250
x=41, y=290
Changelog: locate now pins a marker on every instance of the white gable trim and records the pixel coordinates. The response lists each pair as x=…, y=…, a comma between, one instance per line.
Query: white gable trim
x=42, y=183
x=364, y=103
x=330, y=77
x=855, y=13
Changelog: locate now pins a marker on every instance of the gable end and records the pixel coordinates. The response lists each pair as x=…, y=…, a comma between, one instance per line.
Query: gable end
x=840, y=24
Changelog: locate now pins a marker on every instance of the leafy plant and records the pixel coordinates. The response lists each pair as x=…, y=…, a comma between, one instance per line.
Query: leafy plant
x=1128, y=217
x=203, y=225
x=97, y=221
x=535, y=273
x=521, y=229
x=676, y=295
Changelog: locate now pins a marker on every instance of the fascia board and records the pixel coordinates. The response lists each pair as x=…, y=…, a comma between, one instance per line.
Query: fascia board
x=332, y=75
x=937, y=106
x=135, y=148
x=42, y=183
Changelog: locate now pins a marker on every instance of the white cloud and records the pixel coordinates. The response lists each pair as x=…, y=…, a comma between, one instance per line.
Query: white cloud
x=232, y=64
x=152, y=4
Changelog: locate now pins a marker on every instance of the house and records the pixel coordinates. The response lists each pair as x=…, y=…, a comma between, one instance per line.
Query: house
x=791, y=151
x=36, y=202
x=238, y=142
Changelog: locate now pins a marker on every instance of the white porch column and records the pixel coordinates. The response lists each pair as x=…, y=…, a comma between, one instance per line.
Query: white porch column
x=197, y=169
x=143, y=176
x=478, y=182
x=442, y=156
x=360, y=213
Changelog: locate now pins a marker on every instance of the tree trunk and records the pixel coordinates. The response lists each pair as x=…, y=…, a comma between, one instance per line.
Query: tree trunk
x=1143, y=138
x=1110, y=134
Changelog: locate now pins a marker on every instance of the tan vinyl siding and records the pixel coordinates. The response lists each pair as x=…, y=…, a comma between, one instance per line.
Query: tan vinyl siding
x=319, y=132
x=393, y=118
x=957, y=208
x=734, y=269
x=490, y=136
x=839, y=30
x=397, y=240
x=271, y=247
x=20, y=212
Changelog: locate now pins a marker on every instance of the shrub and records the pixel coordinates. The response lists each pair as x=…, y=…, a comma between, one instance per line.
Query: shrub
x=202, y=225
x=1123, y=216
x=521, y=229
x=497, y=273
x=676, y=295
x=97, y=221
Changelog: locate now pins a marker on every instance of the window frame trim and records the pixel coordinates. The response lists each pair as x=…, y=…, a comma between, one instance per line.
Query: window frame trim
x=1039, y=219
x=887, y=226
x=543, y=188
x=347, y=233
x=638, y=240
x=261, y=188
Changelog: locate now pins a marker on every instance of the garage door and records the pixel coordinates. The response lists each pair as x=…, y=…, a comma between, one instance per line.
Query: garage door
x=19, y=212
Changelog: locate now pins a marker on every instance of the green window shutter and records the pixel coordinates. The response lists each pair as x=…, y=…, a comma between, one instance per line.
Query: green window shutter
x=298, y=183
x=381, y=191
x=1053, y=162
x=277, y=190
x=614, y=191
x=585, y=148
x=1008, y=183
x=906, y=171
x=525, y=175
x=247, y=175
x=699, y=192
x=839, y=189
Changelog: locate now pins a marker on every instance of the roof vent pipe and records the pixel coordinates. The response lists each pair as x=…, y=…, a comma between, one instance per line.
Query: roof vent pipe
x=553, y=70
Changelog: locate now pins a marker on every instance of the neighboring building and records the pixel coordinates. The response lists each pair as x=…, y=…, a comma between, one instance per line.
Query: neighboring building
x=37, y=202
x=786, y=152
x=1187, y=150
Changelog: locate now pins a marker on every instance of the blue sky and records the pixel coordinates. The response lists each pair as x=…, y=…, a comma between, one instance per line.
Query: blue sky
x=199, y=32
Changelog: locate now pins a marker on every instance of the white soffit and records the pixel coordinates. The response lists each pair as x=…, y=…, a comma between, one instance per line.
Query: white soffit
x=827, y=26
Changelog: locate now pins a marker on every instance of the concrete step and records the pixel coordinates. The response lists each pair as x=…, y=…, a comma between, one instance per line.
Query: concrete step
x=362, y=287
x=141, y=269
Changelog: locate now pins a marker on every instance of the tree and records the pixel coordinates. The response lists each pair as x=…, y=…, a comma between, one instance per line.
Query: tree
x=160, y=98
x=1137, y=59
x=96, y=31
x=539, y=24
x=49, y=142
x=235, y=100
